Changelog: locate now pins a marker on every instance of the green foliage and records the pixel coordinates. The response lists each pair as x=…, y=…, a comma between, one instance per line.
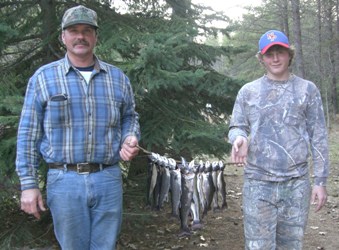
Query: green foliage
x=10, y=108
x=173, y=76
x=6, y=33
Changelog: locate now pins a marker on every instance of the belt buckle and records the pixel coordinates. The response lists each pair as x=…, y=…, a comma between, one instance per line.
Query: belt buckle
x=83, y=168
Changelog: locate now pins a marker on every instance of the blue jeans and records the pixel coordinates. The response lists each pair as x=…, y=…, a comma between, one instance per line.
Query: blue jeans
x=86, y=209
x=276, y=213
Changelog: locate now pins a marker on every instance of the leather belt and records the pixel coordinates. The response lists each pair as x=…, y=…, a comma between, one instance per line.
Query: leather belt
x=80, y=168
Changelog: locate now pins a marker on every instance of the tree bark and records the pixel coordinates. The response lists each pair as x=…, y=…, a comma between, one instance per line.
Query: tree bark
x=329, y=14
x=297, y=37
x=286, y=28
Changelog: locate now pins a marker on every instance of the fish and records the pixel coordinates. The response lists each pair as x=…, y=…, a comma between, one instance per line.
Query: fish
x=207, y=187
x=165, y=182
x=175, y=187
x=195, y=208
x=200, y=189
x=222, y=185
x=215, y=172
x=187, y=183
x=152, y=173
x=157, y=188
x=149, y=185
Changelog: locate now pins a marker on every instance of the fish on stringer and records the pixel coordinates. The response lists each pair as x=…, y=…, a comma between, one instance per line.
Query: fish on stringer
x=207, y=187
x=165, y=182
x=175, y=187
x=187, y=187
x=215, y=173
x=222, y=185
x=195, y=208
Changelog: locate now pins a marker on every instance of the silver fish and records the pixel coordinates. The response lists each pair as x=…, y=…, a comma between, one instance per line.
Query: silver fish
x=157, y=188
x=165, y=182
x=195, y=208
x=152, y=173
x=215, y=172
x=222, y=185
x=175, y=187
x=187, y=185
x=200, y=189
x=208, y=188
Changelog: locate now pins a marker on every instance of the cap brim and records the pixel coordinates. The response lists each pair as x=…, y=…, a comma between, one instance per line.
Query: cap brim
x=264, y=50
x=78, y=22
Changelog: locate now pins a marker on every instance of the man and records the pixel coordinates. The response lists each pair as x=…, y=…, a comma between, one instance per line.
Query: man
x=277, y=122
x=79, y=115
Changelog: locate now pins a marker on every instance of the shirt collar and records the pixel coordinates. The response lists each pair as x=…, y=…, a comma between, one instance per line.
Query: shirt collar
x=98, y=66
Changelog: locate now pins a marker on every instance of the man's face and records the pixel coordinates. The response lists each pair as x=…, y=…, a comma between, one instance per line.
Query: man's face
x=276, y=61
x=80, y=40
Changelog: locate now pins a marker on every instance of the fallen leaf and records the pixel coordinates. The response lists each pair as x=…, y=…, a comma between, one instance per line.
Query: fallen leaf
x=177, y=247
x=132, y=246
x=202, y=245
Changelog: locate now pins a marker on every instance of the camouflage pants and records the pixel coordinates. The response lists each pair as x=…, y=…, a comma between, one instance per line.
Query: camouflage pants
x=275, y=213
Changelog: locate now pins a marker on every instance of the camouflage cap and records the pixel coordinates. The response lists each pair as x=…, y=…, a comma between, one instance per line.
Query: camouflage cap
x=79, y=15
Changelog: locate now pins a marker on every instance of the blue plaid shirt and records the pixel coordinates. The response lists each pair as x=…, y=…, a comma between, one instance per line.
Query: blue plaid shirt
x=66, y=120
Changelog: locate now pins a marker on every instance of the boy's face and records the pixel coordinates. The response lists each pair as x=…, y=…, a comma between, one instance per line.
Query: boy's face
x=276, y=61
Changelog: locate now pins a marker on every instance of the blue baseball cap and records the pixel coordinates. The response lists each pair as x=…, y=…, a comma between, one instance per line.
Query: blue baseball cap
x=272, y=37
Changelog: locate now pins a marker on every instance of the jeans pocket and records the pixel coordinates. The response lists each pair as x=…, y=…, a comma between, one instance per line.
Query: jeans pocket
x=54, y=175
x=113, y=172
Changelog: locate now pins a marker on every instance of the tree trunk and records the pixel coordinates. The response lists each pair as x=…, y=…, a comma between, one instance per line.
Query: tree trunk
x=297, y=37
x=319, y=30
x=286, y=28
x=336, y=50
x=329, y=13
x=322, y=79
x=49, y=19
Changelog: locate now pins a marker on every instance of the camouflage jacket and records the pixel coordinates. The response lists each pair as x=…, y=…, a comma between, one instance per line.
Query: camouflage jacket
x=285, y=124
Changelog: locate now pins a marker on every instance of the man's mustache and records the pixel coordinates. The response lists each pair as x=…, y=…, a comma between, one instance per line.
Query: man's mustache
x=81, y=42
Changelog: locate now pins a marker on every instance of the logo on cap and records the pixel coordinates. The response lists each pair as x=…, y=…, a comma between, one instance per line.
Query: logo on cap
x=271, y=36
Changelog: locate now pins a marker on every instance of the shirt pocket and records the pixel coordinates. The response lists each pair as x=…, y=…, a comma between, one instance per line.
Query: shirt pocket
x=57, y=112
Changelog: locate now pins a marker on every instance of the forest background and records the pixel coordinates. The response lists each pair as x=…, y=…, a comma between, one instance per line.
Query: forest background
x=184, y=70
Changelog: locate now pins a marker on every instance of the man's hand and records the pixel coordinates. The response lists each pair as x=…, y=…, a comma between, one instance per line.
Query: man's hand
x=129, y=148
x=31, y=202
x=239, y=150
x=319, y=197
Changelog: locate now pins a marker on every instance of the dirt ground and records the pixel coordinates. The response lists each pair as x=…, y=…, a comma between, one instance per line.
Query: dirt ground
x=146, y=229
